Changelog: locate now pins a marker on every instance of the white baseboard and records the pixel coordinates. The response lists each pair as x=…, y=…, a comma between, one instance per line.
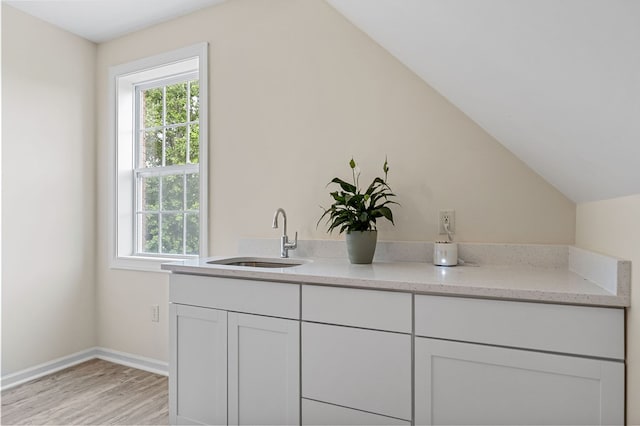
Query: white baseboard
x=135, y=361
x=19, y=377
x=123, y=358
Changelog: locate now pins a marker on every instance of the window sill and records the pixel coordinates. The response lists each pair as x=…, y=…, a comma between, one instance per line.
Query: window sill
x=141, y=263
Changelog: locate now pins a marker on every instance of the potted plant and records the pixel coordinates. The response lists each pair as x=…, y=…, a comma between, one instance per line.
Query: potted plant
x=356, y=212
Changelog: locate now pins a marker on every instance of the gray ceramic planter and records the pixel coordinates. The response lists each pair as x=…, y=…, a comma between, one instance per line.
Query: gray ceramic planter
x=361, y=246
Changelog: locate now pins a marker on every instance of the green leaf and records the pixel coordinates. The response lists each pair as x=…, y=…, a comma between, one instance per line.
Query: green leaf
x=326, y=212
x=352, y=163
x=386, y=212
x=347, y=187
x=337, y=223
x=377, y=182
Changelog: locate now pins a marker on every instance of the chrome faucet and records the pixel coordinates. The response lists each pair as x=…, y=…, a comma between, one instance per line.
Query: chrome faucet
x=285, y=245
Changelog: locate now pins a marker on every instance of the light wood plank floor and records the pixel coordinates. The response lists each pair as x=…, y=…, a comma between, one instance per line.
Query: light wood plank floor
x=95, y=392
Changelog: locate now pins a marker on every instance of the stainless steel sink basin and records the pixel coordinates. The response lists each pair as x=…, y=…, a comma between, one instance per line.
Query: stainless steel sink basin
x=258, y=262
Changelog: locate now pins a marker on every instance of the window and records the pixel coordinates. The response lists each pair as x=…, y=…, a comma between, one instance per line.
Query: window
x=159, y=155
x=167, y=170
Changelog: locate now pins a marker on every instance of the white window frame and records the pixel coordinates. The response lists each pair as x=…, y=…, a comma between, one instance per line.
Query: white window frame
x=122, y=82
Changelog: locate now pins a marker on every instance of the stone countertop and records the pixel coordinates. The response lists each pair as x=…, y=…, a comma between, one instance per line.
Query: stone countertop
x=509, y=282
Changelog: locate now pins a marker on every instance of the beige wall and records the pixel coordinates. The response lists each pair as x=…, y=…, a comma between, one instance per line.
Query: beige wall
x=295, y=91
x=48, y=184
x=613, y=227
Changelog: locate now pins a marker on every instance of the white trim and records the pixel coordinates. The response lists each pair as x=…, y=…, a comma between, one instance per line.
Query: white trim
x=168, y=80
x=149, y=66
x=134, y=361
x=139, y=263
x=203, y=115
x=37, y=371
x=130, y=360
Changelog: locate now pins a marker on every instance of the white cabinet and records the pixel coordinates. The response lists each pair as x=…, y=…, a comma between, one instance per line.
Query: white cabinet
x=367, y=370
x=254, y=352
x=198, y=367
x=231, y=294
x=320, y=413
x=506, y=362
x=350, y=362
x=580, y=330
x=264, y=370
x=464, y=383
x=377, y=310
x=229, y=367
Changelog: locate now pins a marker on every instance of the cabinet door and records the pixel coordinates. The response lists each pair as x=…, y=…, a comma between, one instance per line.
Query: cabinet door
x=363, y=369
x=463, y=383
x=264, y=370
x=319, y=413
x=198, y=366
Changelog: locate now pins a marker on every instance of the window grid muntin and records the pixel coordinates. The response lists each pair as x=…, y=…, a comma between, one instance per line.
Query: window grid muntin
x=184, y=170
x=188, y=128
x=164, y=127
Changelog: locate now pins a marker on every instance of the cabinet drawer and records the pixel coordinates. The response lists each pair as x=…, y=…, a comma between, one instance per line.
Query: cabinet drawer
x=381, y=310
x=363, y=369
x=255, y=297
x=319, y=413
x=581, y=330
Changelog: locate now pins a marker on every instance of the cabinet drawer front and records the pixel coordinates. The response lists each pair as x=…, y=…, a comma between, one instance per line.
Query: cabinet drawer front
x=567, y=329
x=255, y=297
x=381, y=310
x=363, y=369
x=319, y=413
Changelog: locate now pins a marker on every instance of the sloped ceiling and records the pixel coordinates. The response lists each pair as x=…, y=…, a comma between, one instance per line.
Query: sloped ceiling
x=555, y=81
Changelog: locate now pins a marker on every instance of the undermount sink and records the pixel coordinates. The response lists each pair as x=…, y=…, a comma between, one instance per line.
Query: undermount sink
x=258, y=262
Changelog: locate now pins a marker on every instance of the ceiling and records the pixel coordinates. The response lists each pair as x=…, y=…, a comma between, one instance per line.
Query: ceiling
x=104, y=20
x=557, y=82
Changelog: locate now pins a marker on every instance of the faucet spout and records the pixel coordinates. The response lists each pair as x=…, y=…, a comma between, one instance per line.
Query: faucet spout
x=275, y=220
x=285, y=245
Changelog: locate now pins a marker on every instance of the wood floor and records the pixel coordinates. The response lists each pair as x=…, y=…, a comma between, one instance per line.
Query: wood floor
x=95, y=392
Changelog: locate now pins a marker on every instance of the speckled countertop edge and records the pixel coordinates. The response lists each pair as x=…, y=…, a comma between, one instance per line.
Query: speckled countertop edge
x=508, y=282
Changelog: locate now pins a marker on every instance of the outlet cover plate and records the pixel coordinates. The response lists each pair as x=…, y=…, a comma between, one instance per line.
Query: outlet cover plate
x=155, y=313
x=449, y=215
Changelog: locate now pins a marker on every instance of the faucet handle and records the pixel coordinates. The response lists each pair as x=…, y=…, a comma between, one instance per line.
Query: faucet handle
x=294, y=245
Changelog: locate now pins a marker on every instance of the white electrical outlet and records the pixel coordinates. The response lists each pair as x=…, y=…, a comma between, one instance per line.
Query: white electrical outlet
x=155, y=313
x=447, y=216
